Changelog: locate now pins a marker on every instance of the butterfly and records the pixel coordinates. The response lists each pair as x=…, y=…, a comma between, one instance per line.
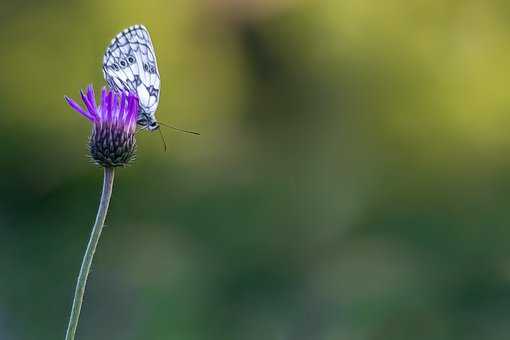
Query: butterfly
x=129, y=64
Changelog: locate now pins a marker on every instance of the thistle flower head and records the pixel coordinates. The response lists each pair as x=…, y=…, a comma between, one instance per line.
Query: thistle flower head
x=112, y=141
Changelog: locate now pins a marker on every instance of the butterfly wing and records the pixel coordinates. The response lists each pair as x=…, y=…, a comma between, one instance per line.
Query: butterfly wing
x=129, y=64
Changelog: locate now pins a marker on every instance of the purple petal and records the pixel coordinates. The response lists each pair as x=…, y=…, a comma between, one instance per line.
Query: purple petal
x=134, y=112
x=78, y=108
x=123, y=99
x=115, y=105
x=109, y=102
x=129, y=105
x=136, y=108
x=89, y=106
x=91, y=96
x=132, y=108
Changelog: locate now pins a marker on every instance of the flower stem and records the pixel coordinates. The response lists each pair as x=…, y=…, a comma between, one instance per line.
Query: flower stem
x=89, y=253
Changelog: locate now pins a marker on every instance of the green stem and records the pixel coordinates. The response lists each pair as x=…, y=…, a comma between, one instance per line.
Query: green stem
x=89, y=253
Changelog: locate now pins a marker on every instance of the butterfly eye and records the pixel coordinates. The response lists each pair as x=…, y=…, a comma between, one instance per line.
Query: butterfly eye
x=145, y=67
x=131, y=59
x=123, y=63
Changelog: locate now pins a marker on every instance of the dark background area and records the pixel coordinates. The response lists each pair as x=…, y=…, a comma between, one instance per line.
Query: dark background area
x=352, y=179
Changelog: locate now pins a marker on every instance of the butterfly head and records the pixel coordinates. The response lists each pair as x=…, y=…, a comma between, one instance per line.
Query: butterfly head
x=153, y=126
x=150, y=125
x=146, y=122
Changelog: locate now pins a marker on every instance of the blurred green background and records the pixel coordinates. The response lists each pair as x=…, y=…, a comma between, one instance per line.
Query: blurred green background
x=352, y=179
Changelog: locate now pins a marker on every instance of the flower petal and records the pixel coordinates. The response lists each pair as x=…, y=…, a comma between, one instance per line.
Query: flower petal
x=91, y=96
x=122, y=115
x=132, y=108
x=135, y=109
x=109, y=104
x=90, y=108
x=78, y=108
x=115, y=107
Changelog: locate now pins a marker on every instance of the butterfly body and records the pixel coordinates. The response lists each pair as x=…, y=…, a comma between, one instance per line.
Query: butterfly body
x=129, y=64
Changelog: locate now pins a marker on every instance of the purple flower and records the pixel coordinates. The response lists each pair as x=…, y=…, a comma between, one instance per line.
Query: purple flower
x=112, y=141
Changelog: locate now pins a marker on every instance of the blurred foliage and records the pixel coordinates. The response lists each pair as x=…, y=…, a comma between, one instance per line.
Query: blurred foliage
x=351, y=180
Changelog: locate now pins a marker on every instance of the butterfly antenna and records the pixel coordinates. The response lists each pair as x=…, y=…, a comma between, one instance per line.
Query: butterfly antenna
x=182, y=130
x=162, y=139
